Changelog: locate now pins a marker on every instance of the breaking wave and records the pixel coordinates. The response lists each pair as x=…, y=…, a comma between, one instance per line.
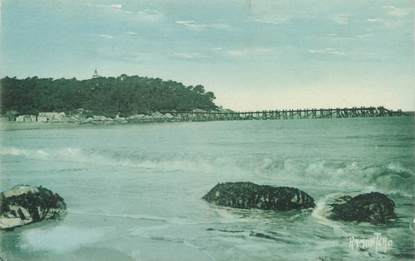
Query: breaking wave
x=389, y=177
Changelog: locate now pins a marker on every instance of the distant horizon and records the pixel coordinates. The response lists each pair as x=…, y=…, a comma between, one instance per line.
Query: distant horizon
x=253, y=55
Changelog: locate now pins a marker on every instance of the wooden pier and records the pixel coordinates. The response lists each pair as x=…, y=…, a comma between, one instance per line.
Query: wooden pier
x=337, y=113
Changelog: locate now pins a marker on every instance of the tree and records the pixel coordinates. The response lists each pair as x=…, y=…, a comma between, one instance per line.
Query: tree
x=104, y=95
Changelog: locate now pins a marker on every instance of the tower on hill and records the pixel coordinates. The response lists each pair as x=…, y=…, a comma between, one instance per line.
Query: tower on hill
x=95, y=75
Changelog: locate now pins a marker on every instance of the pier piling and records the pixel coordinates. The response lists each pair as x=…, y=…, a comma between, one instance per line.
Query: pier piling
x=337, y=113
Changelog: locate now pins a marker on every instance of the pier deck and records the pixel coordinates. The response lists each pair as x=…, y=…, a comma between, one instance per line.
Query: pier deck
x=355, y=112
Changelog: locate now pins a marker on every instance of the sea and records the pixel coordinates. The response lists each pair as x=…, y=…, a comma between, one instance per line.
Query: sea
x=134, y=191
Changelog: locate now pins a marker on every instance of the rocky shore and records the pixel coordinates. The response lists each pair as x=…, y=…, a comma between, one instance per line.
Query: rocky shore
x=81, y=116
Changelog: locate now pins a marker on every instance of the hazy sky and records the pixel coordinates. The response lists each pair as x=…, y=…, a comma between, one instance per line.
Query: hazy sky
x=252, y=54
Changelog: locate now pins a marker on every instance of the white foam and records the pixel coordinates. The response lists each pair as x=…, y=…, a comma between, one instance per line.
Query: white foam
x=59, y=239
x=322, y=211
x=347, y=175
x=396, y=166
x=92, y=158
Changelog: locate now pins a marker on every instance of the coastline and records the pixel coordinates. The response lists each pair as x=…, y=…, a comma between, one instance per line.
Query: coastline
x=80, y=120
x=47, y=120
x=6, y=125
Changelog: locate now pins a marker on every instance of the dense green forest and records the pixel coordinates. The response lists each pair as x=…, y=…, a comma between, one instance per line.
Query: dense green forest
x=126, y=95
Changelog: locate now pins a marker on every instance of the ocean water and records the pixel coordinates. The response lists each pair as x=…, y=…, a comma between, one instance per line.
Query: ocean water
x=134, y=191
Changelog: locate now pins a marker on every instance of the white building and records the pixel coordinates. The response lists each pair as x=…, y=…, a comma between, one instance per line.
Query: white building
x=51, y=117
x=26, y=118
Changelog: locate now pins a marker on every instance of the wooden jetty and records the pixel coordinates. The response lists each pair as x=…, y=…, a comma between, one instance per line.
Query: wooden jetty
x=337, y=113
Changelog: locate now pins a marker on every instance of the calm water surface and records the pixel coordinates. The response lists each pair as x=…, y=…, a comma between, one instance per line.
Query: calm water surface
x=134, y=191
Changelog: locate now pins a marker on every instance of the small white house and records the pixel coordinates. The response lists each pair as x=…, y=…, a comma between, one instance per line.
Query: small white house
x=51, y=117
x=26, y=118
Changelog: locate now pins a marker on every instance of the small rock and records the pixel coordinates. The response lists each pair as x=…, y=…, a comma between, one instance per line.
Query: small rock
x=27, y=204
x=373, y=207
x=249, y=195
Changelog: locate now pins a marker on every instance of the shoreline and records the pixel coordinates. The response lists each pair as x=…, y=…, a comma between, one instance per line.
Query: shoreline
x=60, y=120
x=6, y=125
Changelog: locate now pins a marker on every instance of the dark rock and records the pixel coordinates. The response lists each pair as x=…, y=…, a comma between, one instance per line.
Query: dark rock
x=26, y=204
x=249, y=195
x=371, y=207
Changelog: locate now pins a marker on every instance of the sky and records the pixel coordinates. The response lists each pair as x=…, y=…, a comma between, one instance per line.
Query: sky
x=253, y=54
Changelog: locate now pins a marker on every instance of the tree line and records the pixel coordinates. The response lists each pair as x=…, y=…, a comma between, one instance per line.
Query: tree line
x=124, y=95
